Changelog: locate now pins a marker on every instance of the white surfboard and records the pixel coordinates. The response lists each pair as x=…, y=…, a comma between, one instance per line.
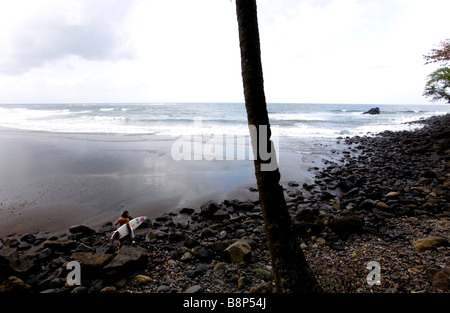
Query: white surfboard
x=123, y=230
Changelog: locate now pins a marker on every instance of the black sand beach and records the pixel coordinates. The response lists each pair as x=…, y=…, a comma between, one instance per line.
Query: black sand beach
x=381, y=200
x=50, y=181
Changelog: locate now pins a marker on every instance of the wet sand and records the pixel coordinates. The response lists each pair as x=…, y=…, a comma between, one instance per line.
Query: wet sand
x=49, y=182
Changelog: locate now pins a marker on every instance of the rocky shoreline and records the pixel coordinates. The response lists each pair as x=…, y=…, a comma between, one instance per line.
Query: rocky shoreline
x=386, y=201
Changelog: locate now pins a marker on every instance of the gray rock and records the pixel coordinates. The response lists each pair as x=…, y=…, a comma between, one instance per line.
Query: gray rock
x=441, y=280
x=129, y=257
x=244, y=282
x=108, y=289
x=81, y=229
x=44, y=254
x=194, y=289
x=55, y=283
x=84, y=248
x=238, y=251
x=182, y=221
x=21, y=264
x=61, y=245
x=24, y=246
x=161, y=234
x=176, y=236
x=151, y=235
x=346, y=224
x=263, y=287
x=186, y=256
x=245, y=206
x=79, y=289
x=221, y=268
x=367, y=204
x=207, y=232
x=163, y=289
x=220, y=215
x=91, y=259
x=430, y=243
x=14, y=284
x=188, y=211
x=30, y=238
x=209, y=208
x=143, y=279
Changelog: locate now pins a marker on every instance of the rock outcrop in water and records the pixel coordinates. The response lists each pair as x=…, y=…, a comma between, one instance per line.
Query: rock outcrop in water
x=373, y=111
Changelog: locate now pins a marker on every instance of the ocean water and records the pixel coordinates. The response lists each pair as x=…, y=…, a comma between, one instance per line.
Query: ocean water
x=114, y=155
x=289, y=121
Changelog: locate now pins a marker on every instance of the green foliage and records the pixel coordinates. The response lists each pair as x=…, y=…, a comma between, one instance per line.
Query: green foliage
x=438, y=85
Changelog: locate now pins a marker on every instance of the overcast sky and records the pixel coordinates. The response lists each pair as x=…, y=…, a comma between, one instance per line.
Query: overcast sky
x=313, y=51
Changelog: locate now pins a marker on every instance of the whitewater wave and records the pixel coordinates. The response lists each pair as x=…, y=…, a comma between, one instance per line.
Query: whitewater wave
x=289, y=120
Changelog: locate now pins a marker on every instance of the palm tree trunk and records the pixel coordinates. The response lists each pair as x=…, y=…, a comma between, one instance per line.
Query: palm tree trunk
x=290, y=269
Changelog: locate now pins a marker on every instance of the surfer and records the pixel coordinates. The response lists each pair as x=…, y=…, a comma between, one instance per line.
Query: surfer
x=125, y=219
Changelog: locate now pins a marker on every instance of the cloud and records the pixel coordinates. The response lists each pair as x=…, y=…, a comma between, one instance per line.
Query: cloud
x=92, y=30
x=176, y=50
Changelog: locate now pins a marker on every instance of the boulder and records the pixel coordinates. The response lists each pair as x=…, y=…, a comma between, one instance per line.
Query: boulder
x=239, y=251
x=305, y=229
x=367, y=204
x=142, y=279
x=209, y=208
x=61, y=245
x=176, y=236
x=151, y=235
x=187, y=256
x=373, y=111
x=91, y=260
x=381, y=205
x=307, y=215
x=21, y=264
x=220, y=215
x=441, y=280
x=14, y=284
x=346, y=224
x=207, y=232
x=245, y=206
x=84, y=248
x=350, y=182
x=187, y=211
x=23, y=246
x=108, y=289
x=392, y=194
x=129, y=257
x=194, y=289
x=430, y=243
x=182, y=221
x=30, y=238
x=263, y=287
x=163, y=289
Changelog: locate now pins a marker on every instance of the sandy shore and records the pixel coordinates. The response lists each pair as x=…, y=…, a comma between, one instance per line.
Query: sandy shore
x=49, y=182
x=375, y=223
